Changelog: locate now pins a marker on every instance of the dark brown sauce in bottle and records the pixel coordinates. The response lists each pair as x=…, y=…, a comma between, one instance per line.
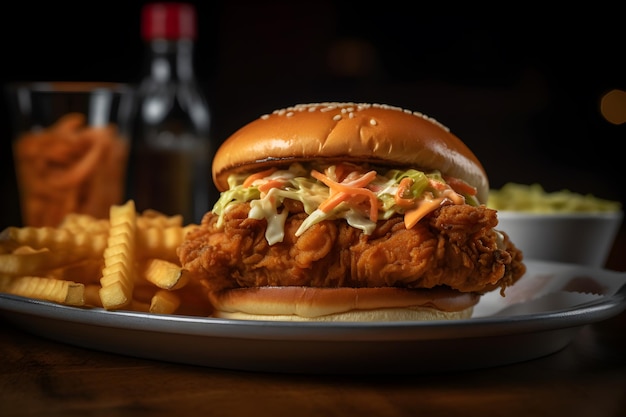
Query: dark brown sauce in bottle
x=171, y=152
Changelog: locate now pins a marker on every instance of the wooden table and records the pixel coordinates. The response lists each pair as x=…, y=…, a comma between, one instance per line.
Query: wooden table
x=39, y=377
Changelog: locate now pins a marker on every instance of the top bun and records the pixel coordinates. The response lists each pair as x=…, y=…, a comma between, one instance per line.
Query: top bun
x=349, y=132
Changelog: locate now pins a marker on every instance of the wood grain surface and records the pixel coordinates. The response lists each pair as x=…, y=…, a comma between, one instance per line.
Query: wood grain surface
x=39, y=377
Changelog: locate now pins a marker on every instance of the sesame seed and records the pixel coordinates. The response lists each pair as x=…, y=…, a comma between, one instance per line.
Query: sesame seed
x=349, y=108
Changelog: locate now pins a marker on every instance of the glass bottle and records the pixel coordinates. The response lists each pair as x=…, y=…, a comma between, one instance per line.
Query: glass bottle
x=172, y=151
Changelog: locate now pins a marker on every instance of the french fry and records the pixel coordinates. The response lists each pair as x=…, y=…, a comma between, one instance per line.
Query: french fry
x=164, y=302
x=115, y=295
x=127, y=261
x=50, y=289
x=161, y=242
x=28, y=261
x=87, y=271
x=74, y=246
x=119, y=257
x=165, y=274
x=77, y=223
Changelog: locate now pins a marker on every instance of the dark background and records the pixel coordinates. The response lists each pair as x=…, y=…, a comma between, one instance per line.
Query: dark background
x=521, y=87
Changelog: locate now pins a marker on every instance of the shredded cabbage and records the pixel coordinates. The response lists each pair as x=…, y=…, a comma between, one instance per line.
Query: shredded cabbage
x=296, y=183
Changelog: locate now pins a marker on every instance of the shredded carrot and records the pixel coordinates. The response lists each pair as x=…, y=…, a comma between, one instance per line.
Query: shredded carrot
x=340, y=192
x=257, y=176
x=404, y=188
x=268, y=185
x=333, y=201
x=359, y=182
x=460, y=186
x=437, y=185
x=342, y=170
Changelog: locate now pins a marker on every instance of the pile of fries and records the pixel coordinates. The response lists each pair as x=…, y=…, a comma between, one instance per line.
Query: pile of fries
x=125, y=262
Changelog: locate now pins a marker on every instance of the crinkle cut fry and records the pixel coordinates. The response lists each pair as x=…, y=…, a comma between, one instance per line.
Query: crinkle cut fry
x=28, y=261
x=81, y=245
x=119, y=258
x=44, y=288
x=161, y=242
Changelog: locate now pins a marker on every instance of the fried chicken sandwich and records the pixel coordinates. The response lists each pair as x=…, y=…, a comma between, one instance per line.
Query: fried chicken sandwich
x=349, y=212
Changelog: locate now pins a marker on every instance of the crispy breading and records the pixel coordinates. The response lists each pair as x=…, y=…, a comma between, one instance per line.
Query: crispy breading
x=454, y=246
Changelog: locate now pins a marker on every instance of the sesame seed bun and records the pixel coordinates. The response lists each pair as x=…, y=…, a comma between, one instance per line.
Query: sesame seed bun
x=348, y=132
x=342, y=304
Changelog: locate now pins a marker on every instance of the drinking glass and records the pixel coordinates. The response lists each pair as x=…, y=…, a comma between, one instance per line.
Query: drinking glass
x=70, y=148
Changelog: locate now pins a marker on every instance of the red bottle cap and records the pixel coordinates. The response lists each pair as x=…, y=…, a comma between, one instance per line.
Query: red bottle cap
x=168, y=21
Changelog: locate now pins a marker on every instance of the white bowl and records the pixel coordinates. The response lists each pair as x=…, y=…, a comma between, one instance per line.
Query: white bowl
x=581, y=238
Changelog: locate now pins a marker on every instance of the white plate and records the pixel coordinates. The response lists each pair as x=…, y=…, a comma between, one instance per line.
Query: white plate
x=539, y=315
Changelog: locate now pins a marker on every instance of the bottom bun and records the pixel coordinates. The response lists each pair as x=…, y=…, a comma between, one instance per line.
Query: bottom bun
x=343, y=304
x=383, y=314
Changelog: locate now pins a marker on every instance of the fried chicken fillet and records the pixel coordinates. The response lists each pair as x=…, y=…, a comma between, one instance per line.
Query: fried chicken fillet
x=455, y=246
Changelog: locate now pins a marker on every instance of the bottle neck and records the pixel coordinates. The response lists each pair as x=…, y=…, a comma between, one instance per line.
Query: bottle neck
x=169, y=60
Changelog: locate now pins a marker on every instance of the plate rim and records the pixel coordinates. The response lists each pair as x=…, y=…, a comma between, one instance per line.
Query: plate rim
x=485, y=326
x=514, y=335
